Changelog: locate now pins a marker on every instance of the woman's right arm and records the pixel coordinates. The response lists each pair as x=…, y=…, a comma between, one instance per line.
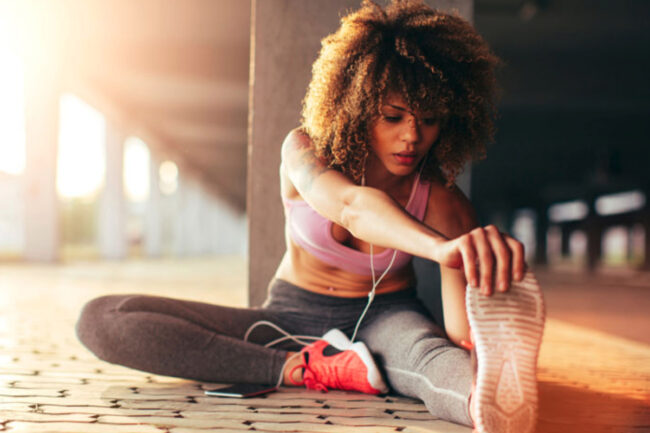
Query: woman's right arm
x=367, y=213
x=373, y=216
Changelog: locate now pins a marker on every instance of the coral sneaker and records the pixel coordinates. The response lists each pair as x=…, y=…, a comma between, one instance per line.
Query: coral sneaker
x=506, y=332
x=335, y=362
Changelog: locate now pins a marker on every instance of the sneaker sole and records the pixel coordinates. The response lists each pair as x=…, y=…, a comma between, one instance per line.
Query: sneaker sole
x=507, y=330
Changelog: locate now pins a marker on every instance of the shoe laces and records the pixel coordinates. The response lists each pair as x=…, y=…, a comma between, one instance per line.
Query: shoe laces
x=314, y=384
x=310, y=382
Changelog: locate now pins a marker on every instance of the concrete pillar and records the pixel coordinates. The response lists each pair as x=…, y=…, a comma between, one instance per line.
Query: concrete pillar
x=566, y=240
x=595, y=229
x=208, y=227
x=41, y=210
x=112, y=212
x=192, y=230
x=645, y=222
x=541, y=231
x=203, y=224
x=646, y=241
x=285, y=42
x=629, y=251
x=153, y=227
x=175, y=218
x=179, y=245
x=594, y=242
x=187, y=225
x=228, y=229
x=222, y=229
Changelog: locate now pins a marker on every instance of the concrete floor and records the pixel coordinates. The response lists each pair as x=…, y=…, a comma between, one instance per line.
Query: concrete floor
x=616, y=302
x=594, y=368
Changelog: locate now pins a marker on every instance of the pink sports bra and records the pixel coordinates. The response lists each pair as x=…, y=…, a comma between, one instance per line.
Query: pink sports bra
x=313, y=233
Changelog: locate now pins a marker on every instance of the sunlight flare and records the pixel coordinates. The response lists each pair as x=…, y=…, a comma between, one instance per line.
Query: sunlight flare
x=12, y=111
x=137, y=162
x=81, y=161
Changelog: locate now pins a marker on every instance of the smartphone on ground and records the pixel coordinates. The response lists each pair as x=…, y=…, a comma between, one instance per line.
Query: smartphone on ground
x=241, y=390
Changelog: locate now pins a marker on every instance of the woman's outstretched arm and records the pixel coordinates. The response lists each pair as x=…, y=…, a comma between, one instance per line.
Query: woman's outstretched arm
x=368, y=213
x=372, y=215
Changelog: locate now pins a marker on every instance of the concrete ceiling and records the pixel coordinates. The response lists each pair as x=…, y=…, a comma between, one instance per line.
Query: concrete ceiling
x=173, y=73
x=176, y=72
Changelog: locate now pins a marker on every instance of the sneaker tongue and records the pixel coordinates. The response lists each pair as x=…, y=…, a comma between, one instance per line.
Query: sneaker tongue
x=331, y=351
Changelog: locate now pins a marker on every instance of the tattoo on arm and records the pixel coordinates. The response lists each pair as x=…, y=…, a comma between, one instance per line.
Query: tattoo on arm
x=310, y=169
x=302, y=160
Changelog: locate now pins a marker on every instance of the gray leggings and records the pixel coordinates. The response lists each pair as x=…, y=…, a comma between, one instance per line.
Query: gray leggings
x=205, y=342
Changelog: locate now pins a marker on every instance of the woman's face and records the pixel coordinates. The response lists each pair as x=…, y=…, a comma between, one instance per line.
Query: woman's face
x=401, y=138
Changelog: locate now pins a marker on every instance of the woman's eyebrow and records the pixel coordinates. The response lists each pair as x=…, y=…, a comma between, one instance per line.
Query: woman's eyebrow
x=406, y=110
x=397, y=107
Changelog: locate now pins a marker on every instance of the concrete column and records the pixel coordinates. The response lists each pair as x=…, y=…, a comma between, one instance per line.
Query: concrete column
x=541, y=232
x=595, y=229
x=112, y=213
x=566, y=239
x=226, y=228
x=646, y=240
x=629, y=250
x=645, y=222
x=41, y=223
x=594, y=242
x=153, y=227
x=203, y=224
x=209, y=228
x=187, y=227
x=178, y=235
x=192, y=229
x=219, y=227
x=285, y=42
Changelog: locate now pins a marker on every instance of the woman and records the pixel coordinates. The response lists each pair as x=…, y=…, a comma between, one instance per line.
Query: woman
x=399, y=100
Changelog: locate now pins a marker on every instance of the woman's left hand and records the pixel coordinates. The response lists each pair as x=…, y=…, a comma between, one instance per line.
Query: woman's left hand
x=490, y=259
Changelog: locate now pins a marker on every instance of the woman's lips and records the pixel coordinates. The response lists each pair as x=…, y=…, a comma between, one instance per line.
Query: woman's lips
x=405, y=158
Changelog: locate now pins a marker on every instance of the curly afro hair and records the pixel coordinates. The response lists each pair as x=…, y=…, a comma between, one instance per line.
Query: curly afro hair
x=436, y=61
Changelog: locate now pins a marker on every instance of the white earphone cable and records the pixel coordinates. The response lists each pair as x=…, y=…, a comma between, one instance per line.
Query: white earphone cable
x=371, y=294
x=298, y=338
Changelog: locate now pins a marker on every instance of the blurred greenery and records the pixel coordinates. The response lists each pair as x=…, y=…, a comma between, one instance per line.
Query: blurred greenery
x=79, y=221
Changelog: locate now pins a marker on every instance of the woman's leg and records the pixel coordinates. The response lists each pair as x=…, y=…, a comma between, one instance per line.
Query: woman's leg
x=419, y=361
x=181, y=338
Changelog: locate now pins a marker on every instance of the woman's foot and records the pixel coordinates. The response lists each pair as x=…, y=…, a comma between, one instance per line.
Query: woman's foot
x=506, y=332
x=335, y=362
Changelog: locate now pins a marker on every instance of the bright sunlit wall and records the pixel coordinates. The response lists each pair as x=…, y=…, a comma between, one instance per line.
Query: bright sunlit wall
x=12, y=149
x=81, y=167
x=82, y=173
x=81, y=158
x=12, y=113
x=137, y=162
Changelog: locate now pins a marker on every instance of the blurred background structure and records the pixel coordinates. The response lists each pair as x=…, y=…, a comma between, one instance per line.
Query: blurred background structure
x=123, y=129
x=568, y=172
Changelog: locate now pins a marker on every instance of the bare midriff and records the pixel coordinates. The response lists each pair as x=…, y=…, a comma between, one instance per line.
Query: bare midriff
x=302, y=269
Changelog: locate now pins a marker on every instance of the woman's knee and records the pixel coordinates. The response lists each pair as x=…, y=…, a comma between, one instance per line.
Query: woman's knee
x=96, y=323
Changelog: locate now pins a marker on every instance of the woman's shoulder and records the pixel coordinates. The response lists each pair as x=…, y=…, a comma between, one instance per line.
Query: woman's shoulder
x=449, y=210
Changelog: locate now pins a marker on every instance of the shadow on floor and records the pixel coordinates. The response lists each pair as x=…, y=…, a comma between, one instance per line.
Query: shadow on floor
x=567, y=409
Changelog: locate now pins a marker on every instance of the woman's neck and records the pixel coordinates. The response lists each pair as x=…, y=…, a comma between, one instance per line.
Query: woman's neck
x=378, y=177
